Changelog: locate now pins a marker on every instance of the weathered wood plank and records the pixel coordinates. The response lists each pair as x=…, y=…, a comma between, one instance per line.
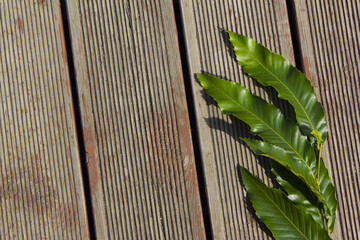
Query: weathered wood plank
x=329, y=37
x=222, y=150
x=41, y=191
x=136, y=127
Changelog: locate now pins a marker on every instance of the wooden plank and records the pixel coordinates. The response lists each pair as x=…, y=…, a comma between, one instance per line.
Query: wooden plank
x=41, y=190
x=136, y=127
x=329, y=36
x=222, y=151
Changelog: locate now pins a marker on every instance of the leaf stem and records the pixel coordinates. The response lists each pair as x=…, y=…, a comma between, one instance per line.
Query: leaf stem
x=318, y=174
x=327, y=225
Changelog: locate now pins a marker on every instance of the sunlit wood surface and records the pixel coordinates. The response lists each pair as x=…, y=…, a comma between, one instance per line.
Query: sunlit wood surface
x=105, y=132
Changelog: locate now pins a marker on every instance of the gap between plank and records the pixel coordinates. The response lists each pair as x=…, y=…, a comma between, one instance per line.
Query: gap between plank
x=192, y=116
x=295, y=35
x=77, y=113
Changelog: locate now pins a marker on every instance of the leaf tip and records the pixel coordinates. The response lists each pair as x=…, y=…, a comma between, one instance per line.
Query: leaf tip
x=244, y=173
x=201, y=78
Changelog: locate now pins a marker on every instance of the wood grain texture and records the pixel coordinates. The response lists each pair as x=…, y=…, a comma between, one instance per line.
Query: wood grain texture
x=222, y=151
x=41, y=193
x=329, y=38
x=136, y=128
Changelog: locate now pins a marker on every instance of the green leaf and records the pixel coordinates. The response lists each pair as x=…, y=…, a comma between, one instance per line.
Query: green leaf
x=284, y=219
x=301, y=197
x=298, y=168
x=298, y=171
x=298, y=193
x=265, y=120
x=271, y=69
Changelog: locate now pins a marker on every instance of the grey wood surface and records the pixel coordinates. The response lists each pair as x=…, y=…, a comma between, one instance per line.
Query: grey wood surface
x=41, y=190
x=136, y=126
x=135, y=118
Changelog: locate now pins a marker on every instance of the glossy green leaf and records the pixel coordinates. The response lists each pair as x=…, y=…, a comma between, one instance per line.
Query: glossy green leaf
x=297, y=189
x=298, y=192
x=301, y=197
x=271, y=69
x=284, y=219
x=265, y=121
x=298, y=168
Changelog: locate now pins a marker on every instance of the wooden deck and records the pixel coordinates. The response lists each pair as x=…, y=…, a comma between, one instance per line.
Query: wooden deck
x=105, y=133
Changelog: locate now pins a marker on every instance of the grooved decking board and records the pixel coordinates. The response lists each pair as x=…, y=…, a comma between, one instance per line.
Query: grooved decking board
x=41, y=193
x=136, y=128
x=222, y=151
x=329, y=37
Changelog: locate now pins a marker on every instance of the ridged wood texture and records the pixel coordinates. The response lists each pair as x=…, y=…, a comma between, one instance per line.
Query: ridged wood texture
x=329, y=38
x=41, y=193
x=222, y=151
x=141, y=163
